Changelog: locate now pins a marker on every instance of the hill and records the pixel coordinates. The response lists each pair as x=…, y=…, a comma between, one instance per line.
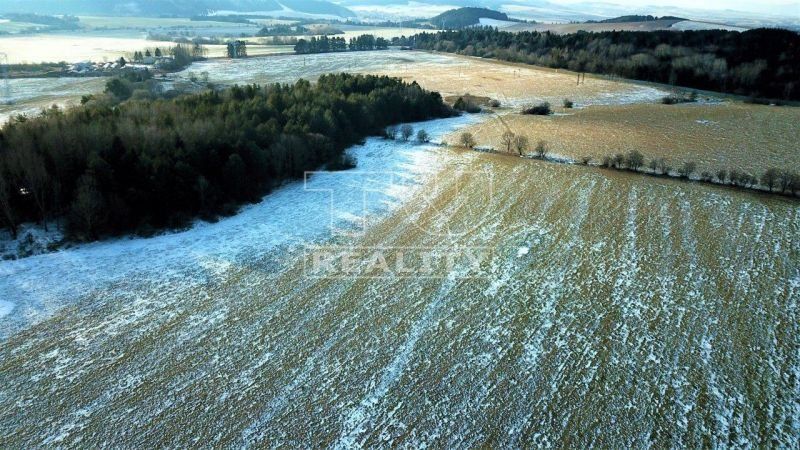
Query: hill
x=465, y=17
x=184, y=8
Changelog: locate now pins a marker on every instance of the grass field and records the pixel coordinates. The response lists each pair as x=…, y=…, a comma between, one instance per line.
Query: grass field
x=516, y=85
x=729, y=135
x=616, y=310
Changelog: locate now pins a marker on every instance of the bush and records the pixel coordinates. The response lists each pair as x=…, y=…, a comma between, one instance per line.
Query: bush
x=423, y=137
x=541, y=150
x=467, y=140
x=675, y=99
x=542, y=109
x=494, y=103
x=568, y=104
x=466, y=105
x=343, y=162
x=406, y=131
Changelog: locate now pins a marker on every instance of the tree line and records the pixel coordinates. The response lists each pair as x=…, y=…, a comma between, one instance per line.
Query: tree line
x=108, y=167
x=324, y=44
x=759, y=63
x=773, y=180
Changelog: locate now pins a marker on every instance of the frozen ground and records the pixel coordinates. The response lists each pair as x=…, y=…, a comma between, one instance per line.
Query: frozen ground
x=39, y=285
x=289, y=68
x=641, y=313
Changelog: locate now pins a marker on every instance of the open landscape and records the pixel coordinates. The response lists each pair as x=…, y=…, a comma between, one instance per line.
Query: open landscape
x=434, y=243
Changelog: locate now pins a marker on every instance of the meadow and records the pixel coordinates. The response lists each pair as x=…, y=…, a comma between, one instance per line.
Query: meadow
x=722, y=135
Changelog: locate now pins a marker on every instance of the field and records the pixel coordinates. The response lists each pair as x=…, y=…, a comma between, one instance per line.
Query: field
x=606, y=309
x=615, y=310
x=72, y=48
x=728, y=135
x=30, y=95
x=517, y=85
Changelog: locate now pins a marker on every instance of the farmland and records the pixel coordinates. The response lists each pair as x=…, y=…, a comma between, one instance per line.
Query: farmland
x=611, y=309
x=615, y=310
x=727, y=135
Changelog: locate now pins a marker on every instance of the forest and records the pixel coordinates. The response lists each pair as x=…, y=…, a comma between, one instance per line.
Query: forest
x=111, y=167
x=325, y=44
x=763, y=63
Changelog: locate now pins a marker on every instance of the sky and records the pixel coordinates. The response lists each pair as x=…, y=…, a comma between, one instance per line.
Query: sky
x=787, y=7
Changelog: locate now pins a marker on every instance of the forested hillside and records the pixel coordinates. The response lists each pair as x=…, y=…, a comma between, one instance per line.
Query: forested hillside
x=465, y=17
x=141, y=165
x=760, y=63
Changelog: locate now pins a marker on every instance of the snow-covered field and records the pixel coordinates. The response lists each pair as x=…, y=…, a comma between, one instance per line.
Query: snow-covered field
x=612, y=310
x=297, y=213
x=641, y=312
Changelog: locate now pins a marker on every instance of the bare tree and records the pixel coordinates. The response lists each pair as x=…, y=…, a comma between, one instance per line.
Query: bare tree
x=541, y=150
x=634, y=160
x=406, y=131
x=688, y=169
x=391, y=133
x=467, y=140
x=521, y=144
x=770, y=178
x=423, y=137
x=507, y=140
x=619, y=160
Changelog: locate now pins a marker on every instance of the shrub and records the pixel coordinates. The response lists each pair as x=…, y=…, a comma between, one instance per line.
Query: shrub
x=568, y=104
x=406, y=131
x=423, y=137
x=343, y=162
x=634, y=160
x=675, y=99
x=542, y=109
x=541, y=150
x=467, y=140
x=494, y=103
x=688, y=169
x=466, y=105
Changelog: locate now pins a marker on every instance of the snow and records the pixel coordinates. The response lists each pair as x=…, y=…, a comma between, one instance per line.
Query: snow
x=5, y=308
x=486, y=22
x=299, y=213
x=522, y=251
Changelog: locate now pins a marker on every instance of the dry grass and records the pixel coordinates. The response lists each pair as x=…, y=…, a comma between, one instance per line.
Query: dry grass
x=513, y=84
x=637, y=316
x=729, y=135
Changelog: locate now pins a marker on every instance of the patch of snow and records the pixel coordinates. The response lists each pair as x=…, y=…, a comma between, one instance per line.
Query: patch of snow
x=5, y=308
x=486, y=22
x=522, y=251
x=297, y=214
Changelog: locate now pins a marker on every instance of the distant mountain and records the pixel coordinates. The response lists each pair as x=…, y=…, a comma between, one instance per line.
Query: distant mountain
x=184, y=8
x=465, y=17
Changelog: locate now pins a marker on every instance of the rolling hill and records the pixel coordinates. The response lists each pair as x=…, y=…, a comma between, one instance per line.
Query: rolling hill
x=465, y=17
x=171, y=7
